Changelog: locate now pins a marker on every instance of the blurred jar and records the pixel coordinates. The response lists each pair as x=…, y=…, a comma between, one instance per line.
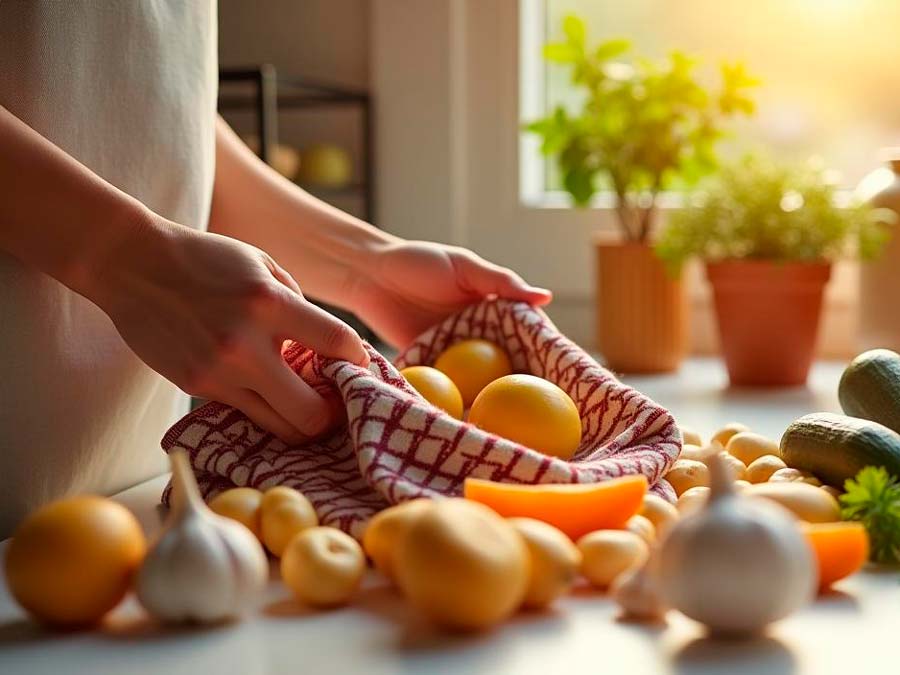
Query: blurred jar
x=879, y=321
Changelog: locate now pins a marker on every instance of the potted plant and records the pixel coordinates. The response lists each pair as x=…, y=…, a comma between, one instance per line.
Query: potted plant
x=768, y=234
x=643, y=127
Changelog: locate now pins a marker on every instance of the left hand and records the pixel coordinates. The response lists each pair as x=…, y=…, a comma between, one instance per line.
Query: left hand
x=409, y=286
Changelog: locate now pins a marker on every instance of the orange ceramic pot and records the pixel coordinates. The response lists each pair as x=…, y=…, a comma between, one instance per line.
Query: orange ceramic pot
x=768, y=315
x=641, y=310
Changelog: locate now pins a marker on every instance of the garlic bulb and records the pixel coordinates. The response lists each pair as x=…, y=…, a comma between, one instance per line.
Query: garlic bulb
x=203, y=567
x=637, y=591
x=737, y=564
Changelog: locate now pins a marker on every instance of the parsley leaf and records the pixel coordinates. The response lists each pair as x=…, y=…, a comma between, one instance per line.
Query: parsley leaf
x=873, y=499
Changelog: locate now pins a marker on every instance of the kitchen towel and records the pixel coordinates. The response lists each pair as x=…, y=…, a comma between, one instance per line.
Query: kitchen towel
x=396, y=446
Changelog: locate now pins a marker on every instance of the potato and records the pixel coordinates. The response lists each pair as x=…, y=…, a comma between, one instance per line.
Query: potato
x=386, y=528
x=554, y=561
x=642, y=527
x=736, y=466
x=762, y=468
x=692, y=499
x=605, y=554
x=833, y=491
x=659, y=512
x=282, y=520
x=789, y=475
x=748, y=447
x=723, y=435
x=807, y=502
x=241, y=504
x=690, y=437
x=462, y=565
x=695, y=452
x=323, y=566
x=687, y=473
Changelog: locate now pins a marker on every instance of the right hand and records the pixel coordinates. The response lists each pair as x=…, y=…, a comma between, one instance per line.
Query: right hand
x=211, y=313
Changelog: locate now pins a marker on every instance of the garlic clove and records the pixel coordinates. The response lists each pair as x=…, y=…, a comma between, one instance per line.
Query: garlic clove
x=203, y=567
x=638, y=593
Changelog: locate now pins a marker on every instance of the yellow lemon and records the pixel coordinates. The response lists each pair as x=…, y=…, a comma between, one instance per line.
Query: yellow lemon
x=436, y=388
x=72, y=561
x=472, y=365
x=531, y=411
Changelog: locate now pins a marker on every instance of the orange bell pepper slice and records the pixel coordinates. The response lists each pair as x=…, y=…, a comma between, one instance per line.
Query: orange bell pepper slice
x=574, y=508
x=841, y=549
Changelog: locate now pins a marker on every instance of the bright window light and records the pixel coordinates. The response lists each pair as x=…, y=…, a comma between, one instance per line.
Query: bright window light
x=828, y=67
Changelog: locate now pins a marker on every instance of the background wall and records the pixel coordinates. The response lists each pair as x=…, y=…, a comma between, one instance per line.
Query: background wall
x=444, y=76
x=320, y=39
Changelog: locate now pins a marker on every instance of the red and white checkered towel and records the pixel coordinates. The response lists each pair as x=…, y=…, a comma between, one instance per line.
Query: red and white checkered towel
x=396, y=446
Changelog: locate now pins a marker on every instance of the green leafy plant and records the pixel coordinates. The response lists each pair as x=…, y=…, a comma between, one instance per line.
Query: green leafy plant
x=873, y=498
x=759, y=209
x=642, y=125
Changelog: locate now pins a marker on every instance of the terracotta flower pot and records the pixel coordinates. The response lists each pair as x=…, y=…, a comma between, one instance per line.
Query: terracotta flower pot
x=768, y=316
x=641, y=311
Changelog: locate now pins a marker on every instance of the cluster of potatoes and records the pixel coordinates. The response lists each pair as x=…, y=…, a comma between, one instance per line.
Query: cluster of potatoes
x=323, y=566
x=467, y=568
x=757, y=468
x=457, y=561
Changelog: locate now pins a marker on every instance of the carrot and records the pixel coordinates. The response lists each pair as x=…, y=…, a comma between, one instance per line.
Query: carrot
x=841, y=549
x=576, y=508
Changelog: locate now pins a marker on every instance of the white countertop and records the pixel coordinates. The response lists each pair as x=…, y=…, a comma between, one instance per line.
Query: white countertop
x=849, y=632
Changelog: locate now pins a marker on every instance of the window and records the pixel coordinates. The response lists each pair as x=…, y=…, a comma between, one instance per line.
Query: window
x=828, y=69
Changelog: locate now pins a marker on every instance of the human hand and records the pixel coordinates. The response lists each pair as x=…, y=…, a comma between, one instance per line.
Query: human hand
x=408, y=286
x=211, y=313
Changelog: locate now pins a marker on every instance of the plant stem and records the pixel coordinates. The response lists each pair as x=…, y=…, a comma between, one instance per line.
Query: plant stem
x=623, y=209
x=647, y=215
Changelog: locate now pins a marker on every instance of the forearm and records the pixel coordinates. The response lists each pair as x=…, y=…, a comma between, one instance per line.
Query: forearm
x=56, y=214
x=321, y=246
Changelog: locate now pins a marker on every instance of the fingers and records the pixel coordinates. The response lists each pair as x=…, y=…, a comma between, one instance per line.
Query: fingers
x=291, y=398
x=257, y=409
x=318, y=330
x=282, y=275
x=484, y=278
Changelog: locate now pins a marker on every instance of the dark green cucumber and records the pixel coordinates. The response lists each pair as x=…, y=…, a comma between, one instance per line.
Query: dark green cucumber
x=870, y=388
x=835, y=447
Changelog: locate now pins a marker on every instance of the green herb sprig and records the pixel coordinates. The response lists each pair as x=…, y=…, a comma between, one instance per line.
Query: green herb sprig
x=873, y=499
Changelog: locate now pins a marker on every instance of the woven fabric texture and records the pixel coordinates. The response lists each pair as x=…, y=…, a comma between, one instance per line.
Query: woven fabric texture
x=396, y=446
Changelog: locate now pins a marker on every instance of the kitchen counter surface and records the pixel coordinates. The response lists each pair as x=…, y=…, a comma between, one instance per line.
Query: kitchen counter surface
x=850, y=631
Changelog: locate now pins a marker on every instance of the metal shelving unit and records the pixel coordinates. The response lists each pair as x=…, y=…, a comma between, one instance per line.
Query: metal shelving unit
x=267, y=93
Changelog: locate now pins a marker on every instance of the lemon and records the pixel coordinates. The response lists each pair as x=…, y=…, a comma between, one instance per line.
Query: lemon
x=436, y=388
x=72, y=561
x=531, y=411
x=472, y=365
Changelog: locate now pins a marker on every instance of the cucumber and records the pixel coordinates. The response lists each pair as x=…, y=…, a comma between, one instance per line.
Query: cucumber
x=835, y=447
x=870, y=388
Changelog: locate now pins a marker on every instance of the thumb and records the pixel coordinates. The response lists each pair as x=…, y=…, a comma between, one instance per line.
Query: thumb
x=482, y=278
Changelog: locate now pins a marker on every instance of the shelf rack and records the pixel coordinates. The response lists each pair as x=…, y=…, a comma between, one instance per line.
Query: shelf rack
x=264, y=91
